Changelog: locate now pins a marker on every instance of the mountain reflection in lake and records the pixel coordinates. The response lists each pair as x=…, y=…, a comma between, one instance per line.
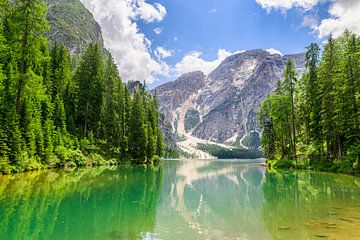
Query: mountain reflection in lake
x=179, y=200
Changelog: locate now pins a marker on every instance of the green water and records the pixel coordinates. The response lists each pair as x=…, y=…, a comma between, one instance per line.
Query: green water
x=180, y=200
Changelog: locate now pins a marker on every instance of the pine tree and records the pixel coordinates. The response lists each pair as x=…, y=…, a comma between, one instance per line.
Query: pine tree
x=48, y=131
x=273, y=114
x=159, y=143
x=10, y=121
x=126, y=125
x=325, y=104
x=328, y=76
x=137, y=129
x=4, y=150
x=268, y=139
x=45, y=112
x=27, y=22
x=157, y=131
x=313, y=98
x=151, y=143
x=346, y=92
x=89, y=77
x=69, y=100
x=59, y=115
x=289, y=87
x=109, y=113
x=120, y=137
x=60, y=72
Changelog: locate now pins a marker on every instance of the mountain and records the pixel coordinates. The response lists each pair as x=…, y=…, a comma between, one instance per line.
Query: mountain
x=221, y=107
x=73, y=25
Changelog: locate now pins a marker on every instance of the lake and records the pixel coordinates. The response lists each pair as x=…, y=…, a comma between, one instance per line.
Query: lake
x=180, y=200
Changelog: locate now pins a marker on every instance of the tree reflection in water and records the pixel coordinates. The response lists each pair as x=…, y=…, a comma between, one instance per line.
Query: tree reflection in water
x=117, y=203
x=306, y=205
x=179, y=200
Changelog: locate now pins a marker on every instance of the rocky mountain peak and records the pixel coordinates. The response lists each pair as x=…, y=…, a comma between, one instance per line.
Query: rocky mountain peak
x=222, y=106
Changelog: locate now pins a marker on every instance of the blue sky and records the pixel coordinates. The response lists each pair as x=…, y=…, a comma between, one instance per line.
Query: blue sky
x=208, y=25
x=157, y=40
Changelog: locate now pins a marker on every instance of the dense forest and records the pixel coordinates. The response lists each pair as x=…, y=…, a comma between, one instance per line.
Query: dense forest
x=55, y=112
x=313, y=121
x=230, y=153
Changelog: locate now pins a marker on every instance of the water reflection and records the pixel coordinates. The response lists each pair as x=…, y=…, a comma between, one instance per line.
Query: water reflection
x=85, y=204
x=212, y=200
x=307, y=205
x=179, y=200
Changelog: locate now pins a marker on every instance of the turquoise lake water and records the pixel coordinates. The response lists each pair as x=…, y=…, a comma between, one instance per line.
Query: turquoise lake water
x=180, y=200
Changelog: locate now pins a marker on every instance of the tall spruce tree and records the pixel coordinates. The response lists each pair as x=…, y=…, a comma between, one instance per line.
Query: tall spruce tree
x=60, y=72
x=27, y=22
x=157, y=131
x=111, y=89
x=347, y=91
x=89, y=77
x=313, y=97
x=151, y=143
x=127, y=110
x=289, y=83
x=329, y=74
x=137, y=129
x=120, y=136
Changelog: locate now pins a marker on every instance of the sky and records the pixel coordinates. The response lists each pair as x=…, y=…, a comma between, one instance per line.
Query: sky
x=158, y=40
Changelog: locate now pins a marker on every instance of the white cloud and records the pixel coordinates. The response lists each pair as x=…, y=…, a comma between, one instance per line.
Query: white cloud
x=213, y=11
x=274, y=51
x=161, y=53
x=193, y=62
x=130, y=47
x=287, y=4
x=309, y=21
x=345, y=14
x=148, y=12
x=158, y=30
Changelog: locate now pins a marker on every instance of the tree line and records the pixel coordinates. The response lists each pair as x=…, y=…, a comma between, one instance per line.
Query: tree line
x=55, y=112
x=314, y=119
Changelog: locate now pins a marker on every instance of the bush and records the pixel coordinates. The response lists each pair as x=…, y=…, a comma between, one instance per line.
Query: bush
x=53, y=161
x=77, y=157
x=61, y=153
x=5, y=168
x=284, y=164
x=97, y=159
x=70, y=165
x=68, y=155
x=85, y=145
x=113, y=162
x=156, y=159
x=34, y=164
x=341, y=166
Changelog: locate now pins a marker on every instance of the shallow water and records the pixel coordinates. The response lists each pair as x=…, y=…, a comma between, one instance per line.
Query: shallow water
x=180, y=200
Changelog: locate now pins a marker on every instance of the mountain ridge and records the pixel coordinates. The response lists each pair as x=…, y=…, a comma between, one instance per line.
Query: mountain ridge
x=221, y=107
x=73, y=25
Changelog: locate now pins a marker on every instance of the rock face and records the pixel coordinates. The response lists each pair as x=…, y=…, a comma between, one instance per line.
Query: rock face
x=222, y=106
x=176, y=94
x=73, y=25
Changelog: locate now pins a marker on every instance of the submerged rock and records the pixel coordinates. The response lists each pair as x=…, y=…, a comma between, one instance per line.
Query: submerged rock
x=320, y=224
x=284, y=228
x=346, y=219
x=322, y=235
